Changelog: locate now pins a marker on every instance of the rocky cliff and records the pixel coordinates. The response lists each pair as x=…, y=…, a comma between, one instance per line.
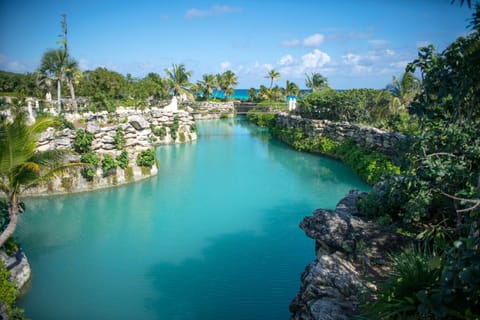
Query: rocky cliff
x=142, y=130
x=350, y=255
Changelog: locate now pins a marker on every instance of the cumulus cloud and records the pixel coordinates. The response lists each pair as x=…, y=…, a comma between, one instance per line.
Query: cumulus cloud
x=285, y=60
x=225, y=64
x=315, y=40
x=212, y=11
x=315, y=59
x=351, y=59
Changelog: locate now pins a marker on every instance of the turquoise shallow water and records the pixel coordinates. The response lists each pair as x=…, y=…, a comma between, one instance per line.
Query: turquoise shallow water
x=214, y=236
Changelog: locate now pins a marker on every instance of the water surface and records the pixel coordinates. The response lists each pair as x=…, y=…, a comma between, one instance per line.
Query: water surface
x=214, y=236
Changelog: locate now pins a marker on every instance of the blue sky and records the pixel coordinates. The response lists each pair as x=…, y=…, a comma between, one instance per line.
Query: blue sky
x=353, y=43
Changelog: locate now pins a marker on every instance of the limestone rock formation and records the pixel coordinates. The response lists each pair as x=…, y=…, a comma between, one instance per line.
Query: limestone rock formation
x=349, y=250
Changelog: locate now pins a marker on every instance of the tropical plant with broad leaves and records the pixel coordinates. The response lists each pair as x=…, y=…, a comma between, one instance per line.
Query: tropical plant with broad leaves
x=22, y=166
x=227, y=81
x=207, y=85
x=273, y=75
x=316, y=81
x=53, y=65
x=178, y=79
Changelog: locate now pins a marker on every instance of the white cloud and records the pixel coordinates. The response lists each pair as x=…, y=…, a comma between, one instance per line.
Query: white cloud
x=390, y=52
x=225, y=64
x=291, y=43
x=315, y=59
x=212, y=11
x=351, y=59
x=285, y=60
x=315, y=40
x=267, y=66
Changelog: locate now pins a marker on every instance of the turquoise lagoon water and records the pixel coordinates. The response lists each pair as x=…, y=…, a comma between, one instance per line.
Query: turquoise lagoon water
x=214, y=236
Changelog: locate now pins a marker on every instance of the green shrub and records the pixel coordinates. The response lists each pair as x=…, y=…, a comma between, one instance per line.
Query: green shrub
x=119, y=139
x=93, y=160
x=83, y=141
x=9, y=294
x=261, y=119
x=146, y=158
x=174, y=127
x=414, y=271
x=193, y=128
x=108, y=164
x=224, y=115
x=62, y=123
x=160, y=132
x=122, y=159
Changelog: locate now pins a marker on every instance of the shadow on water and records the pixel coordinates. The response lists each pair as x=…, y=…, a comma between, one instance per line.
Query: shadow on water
x=243, y=275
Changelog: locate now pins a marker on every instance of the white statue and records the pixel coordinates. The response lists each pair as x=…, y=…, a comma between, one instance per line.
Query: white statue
x=31, y=117
x=172, y=106
x=48, y=97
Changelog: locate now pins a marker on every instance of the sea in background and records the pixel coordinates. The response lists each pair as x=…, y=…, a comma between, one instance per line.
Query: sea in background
x=242, y=94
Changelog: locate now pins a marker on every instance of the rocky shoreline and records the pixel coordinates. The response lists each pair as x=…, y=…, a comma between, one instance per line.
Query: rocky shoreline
x=350, y=256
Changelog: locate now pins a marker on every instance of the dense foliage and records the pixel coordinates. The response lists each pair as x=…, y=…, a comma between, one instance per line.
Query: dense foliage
x=83, y=141
x=146, y=158
x=369, y=165
x=89, y=172
x=437, y=197
x=122, y=159
x=108, y=164
x=9, y=295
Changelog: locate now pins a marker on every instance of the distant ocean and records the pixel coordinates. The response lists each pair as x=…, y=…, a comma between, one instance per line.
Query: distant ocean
x=241, y=94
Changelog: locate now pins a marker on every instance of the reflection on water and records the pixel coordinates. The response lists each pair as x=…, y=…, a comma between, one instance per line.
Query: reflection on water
x=214, y=235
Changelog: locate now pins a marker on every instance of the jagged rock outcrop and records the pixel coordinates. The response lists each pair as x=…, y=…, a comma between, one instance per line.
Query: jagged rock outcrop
x=18, y=266
x=349, y=251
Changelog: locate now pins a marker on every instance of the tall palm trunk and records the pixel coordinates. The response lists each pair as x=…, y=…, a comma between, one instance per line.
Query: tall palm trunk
x=13, y=211
x=59, y=95
x=72, y=94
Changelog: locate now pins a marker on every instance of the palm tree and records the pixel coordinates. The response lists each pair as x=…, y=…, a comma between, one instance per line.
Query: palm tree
x=273, y=75
x=21, y=167
x=227, y=81
x=54, y=63
x=404, y=89
x=43, y=82
x=207, y=85
x=72, y=75
x=252, y=94
x=291, y=88
x=177, y=78
x=316, y=81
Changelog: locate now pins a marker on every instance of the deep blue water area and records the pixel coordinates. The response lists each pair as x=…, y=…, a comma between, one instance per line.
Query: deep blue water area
x=213, y=236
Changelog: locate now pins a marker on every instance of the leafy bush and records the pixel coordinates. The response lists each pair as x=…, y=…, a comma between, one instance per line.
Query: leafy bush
x=371, y=166
x=122, y=159
x=174, y=127
x=146, y=158
x=83, y=141
x=108, y=164
x=119, y=139
x=414, y=271
x=93, y=160
x=62, y=123
x=160, y=132
x=9, y=294
x=193, y=128
x=261, y=119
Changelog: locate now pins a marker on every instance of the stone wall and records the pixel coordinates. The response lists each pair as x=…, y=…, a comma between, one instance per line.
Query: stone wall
x=363, y=136
x=137, y=127
x=210, y=110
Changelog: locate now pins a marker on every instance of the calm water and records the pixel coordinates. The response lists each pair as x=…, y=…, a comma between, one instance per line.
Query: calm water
x=214, y=236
